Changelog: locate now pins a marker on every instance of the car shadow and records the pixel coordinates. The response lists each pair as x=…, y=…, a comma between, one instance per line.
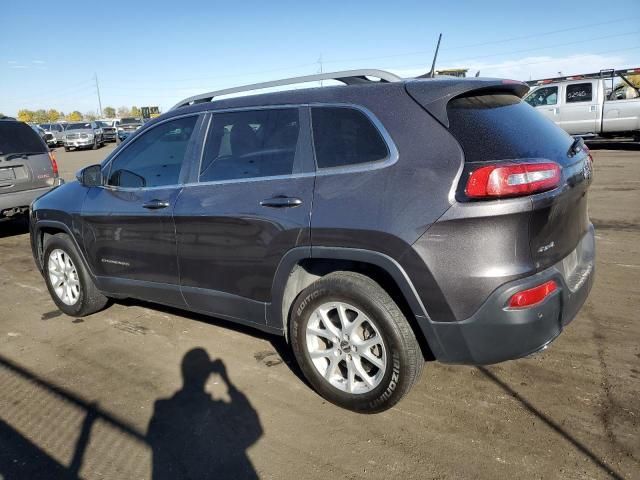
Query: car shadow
x=190, y=435
x=281, y=353
x=556, y=427
x=13, y=227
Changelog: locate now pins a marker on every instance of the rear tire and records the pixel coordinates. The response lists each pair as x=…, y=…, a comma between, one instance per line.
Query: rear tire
x=68, y=281
x=353, y=343
x=66, y=149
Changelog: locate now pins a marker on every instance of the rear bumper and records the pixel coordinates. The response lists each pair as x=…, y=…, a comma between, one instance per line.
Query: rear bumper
x=496, y=333
x=25, y=197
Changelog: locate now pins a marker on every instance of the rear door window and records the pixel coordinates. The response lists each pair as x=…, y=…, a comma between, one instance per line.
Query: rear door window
x=344, y=136
x=155, y=158
x=579, y=92
x=251, y=144
x=18, y=137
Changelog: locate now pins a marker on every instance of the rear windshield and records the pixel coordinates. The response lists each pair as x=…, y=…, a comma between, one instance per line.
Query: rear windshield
x=501, y=127
x=17, y=137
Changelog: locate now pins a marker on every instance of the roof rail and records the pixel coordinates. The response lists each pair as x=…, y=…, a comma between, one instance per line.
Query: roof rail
x=348, y=77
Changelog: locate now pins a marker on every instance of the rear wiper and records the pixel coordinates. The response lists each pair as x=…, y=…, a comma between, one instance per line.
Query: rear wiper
x=24, y=155
x=576, y=147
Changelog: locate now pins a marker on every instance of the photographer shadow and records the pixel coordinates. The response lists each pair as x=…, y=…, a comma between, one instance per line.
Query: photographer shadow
x=192, y=435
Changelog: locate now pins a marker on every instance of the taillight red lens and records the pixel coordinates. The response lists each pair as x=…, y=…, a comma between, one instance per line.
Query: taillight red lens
x=54, y=164
x=532, y=296
x=512, y=180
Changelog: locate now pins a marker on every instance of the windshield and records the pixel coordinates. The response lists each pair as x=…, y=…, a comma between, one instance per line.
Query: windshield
x=46, y=126
x=17, y=137
x=79, y=126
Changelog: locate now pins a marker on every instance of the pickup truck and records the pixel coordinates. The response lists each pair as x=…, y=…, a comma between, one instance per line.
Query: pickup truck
x=604, y=104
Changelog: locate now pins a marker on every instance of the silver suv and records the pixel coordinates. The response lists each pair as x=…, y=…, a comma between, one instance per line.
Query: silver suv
x=83, y=135
x=27, y=168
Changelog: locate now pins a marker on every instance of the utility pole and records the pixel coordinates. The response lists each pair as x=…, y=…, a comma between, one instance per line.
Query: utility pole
x=95, y=75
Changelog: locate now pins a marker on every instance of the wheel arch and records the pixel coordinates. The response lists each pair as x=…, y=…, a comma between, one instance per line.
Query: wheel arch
x=300, y=267
x=42, y=230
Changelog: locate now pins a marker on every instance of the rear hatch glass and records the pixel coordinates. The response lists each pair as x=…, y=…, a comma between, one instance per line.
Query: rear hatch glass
x=24, y=158
x=497, y=127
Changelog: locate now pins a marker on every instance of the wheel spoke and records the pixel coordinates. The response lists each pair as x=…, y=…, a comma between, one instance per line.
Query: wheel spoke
x=328, y=324
x=321, y=332
x=351, y=376
x=331, y=369
x=362, y=373
x=321, y=353
x=351, y=327
x=371, y=358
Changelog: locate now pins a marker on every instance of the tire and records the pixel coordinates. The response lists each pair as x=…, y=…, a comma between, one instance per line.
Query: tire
x=393, y=344
x=95, y=144
x=66, y=149
x=86, y=299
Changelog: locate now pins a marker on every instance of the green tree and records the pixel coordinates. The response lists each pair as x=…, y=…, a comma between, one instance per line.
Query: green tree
x=135, y=112
x=53, y=115
x=74, y=116
x=109, y=112
x=25, y=115
x=124, y=112
x=40, y=116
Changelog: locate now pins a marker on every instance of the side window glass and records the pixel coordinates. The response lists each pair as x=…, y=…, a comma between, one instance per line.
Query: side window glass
x=250, y=144
x=579, y=92
x=155, y=158
x=543, y=96
x=345, y=136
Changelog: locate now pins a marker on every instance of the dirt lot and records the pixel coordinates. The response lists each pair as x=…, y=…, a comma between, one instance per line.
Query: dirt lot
x=78, y=395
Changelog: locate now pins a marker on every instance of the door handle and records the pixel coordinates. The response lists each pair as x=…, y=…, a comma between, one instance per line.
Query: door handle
x=155, y=204
x=281, y=202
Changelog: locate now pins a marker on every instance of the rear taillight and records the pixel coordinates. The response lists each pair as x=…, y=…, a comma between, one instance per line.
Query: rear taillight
x=54, y=164
x=532, y=296
x=512, y=180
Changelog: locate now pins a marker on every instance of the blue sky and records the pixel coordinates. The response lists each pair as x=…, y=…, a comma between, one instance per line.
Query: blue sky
x=158, y=52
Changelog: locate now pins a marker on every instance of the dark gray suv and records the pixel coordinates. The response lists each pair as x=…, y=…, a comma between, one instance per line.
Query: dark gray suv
x=374, y=225
x=27, y=168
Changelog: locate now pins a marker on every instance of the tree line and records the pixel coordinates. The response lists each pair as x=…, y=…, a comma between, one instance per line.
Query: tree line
x=53, y=115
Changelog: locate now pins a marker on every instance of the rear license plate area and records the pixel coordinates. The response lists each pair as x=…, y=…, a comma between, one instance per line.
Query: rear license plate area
x=7, y=175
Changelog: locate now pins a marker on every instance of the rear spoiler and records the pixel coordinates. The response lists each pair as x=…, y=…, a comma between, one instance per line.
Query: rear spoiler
x=435, y=94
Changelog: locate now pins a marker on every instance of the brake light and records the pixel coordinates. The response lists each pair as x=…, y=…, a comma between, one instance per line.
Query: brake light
x=54, y=164
x=512, y=180
x=533, y=296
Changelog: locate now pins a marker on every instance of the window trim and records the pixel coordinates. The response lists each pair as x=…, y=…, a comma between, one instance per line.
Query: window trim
x=191, y=144
x=392, y=150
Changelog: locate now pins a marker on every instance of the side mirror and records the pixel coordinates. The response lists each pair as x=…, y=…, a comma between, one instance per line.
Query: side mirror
x=91, y=176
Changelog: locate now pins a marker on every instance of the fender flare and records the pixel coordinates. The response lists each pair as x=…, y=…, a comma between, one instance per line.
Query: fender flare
x=295, y=255
x=58, y=225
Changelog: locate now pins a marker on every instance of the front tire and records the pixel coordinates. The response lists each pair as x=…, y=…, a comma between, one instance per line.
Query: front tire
x=353, y=343
x=67, y=279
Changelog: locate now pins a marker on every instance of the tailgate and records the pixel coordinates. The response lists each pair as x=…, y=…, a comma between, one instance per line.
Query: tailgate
x=25, y=173
x=24, y=158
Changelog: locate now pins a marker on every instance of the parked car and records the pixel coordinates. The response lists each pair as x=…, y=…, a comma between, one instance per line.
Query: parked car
x=40, y=131
x=54, y=133
x=604, y=104
x=372, y=225
x=109, y=129
x=127, y=126
x=83, y=135
x=27, y=168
